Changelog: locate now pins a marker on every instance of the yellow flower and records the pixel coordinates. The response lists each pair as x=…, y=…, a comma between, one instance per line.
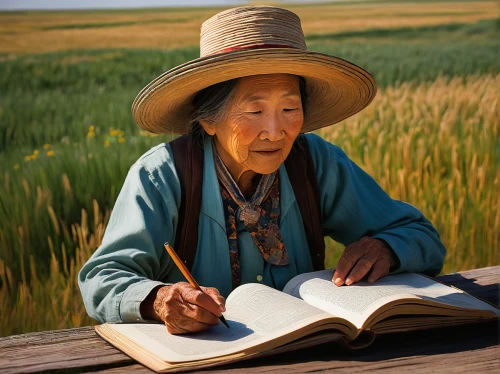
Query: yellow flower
x=114, y=132
x=121, y=140
x=29, y=158
x=46, y=146
x=91, y=134
x=50, y=153
x=17, y=167
x=35, y=152
x=106, y=143
x=91, y=128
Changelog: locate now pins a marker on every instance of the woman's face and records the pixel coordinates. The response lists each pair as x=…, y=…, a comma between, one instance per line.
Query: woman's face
x=264, y=117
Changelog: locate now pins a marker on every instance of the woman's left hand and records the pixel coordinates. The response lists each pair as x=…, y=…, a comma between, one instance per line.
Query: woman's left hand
x=366, y=256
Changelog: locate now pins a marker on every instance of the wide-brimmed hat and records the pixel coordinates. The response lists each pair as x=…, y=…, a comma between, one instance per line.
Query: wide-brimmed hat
x=254, y=40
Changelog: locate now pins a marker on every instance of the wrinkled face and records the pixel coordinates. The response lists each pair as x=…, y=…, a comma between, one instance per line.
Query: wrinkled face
x=263, y=119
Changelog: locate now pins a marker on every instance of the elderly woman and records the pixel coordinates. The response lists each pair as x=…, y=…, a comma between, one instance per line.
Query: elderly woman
x=245, y=197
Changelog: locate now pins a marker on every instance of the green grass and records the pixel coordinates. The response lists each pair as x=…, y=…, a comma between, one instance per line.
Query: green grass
x=55, y=99
x=67, y=182
x=99, y=86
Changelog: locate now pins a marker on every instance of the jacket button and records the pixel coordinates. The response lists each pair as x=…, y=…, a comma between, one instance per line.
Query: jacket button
x=259, y=277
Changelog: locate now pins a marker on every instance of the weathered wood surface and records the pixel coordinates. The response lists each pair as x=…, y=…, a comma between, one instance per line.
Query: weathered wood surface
x=473, y=348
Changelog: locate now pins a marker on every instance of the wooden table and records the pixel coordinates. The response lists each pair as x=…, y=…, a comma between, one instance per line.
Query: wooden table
x=473, y=348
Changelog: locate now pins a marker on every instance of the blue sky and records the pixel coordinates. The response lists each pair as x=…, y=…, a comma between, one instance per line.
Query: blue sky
x=94, y=4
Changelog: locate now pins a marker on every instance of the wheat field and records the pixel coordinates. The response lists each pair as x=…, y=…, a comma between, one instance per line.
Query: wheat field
x=67, y=139
x=39, y=32
x=433, y=145
x=429, y=144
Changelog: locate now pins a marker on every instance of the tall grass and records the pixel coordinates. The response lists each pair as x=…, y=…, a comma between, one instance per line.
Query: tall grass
x=50, y=302
x=43, y=195
x=431, y=144
x=67, y=140
x=65, y=93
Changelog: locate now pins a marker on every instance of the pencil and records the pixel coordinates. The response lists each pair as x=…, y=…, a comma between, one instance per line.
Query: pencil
x=184, y=270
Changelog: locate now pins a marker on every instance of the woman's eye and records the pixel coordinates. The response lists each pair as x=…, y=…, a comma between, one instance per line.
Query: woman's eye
x=255, y=112
x=290, y=109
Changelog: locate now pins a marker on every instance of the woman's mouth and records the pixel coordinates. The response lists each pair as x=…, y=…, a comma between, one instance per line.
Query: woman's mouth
x=270, y=152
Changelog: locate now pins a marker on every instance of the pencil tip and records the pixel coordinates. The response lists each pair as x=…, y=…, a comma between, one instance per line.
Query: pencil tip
x=223, y=320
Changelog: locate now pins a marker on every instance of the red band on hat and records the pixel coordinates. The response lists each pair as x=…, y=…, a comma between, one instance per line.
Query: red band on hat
x=254, y=46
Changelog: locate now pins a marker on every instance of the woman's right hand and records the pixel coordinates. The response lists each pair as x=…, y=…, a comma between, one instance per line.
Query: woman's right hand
x=185, y=309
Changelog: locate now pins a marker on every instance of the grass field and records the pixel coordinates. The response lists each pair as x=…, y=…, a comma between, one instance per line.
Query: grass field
x=67, y=138
x=28, y=32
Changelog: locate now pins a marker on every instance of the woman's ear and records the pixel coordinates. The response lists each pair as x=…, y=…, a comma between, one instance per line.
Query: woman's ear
x=208, y=127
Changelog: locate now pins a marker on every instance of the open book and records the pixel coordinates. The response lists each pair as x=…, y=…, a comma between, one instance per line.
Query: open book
x=310, y=310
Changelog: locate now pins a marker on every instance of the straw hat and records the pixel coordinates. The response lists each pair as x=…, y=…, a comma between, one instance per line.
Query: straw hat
x=253, y=40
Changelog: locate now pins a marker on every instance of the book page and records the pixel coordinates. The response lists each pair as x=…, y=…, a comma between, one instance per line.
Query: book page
x=255, y=313
x=357, y=302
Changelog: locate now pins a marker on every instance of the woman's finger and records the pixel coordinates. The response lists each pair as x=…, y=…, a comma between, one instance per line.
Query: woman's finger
x=193, y=296
x=359, y=270
x=199, y=314
x=351, y=255
x=181, y=317
x=379, y=270
x=218, y=298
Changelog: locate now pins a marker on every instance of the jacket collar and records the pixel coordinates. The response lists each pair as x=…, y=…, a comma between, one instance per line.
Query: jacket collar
x=287, y=197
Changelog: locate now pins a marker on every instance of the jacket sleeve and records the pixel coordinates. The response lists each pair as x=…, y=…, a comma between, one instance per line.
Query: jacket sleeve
x=354, y=205
x=131, y=260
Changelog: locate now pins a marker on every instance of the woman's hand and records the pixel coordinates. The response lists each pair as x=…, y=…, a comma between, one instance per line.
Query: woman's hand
x=366, y=256
x=184, y=309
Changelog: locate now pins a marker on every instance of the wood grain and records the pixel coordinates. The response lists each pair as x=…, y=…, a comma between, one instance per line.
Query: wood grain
x=472, y=348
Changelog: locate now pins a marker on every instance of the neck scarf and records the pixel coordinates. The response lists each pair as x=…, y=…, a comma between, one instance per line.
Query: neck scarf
x=260, y=215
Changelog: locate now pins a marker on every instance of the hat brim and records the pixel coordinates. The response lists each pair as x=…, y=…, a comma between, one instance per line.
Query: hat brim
x=336, y=88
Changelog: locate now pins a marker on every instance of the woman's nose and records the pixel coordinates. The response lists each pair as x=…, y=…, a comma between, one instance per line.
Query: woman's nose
x=273, y=129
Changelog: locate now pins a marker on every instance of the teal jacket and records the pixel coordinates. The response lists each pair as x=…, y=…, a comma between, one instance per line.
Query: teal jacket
x=131, y=260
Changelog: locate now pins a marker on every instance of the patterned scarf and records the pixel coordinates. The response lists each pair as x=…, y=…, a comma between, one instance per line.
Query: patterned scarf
x=260, y=215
